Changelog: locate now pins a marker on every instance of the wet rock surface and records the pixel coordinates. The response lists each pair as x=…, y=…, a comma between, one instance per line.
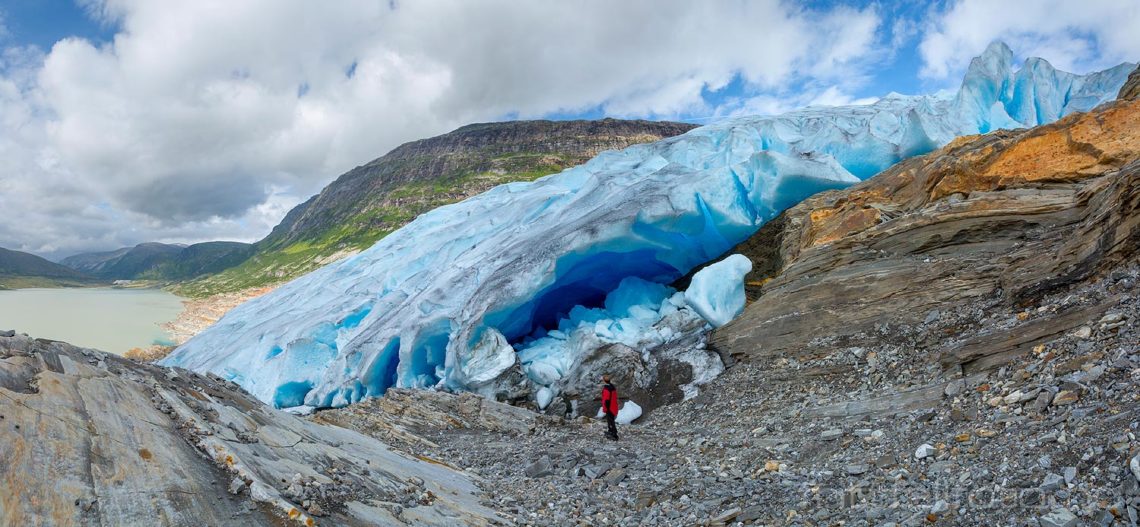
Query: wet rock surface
x=90, y=438
x=1131, y=88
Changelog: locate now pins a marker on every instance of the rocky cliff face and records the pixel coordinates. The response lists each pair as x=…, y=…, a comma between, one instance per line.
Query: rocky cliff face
x=94, y=439
x=1016, y=214
x=1131, y=89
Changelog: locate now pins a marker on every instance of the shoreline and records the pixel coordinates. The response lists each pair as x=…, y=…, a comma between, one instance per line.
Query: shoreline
x=99, y=285
x=200, y=313
x=114, y=320
x=196, y=315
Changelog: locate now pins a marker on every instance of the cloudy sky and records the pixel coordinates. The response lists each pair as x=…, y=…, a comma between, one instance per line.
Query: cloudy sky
x=124, y=121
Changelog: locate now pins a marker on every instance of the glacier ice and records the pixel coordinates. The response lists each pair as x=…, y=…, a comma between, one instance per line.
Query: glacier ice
x=717, y=291
x=481, y=288
x=628, y=412
x=639, y=314
x=543, y=397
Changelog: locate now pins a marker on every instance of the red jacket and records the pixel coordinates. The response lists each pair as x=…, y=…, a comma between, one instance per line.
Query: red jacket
x=609, y=399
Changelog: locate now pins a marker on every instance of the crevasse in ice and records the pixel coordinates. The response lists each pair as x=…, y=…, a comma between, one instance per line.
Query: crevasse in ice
x=520, y=272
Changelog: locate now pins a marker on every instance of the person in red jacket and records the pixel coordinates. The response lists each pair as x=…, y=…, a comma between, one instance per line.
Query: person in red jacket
x=610, y=406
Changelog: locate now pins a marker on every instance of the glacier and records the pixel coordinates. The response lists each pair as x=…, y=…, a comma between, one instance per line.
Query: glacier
x=639, y=314
x=628, y=412
x=526, y=278
x=717, y=291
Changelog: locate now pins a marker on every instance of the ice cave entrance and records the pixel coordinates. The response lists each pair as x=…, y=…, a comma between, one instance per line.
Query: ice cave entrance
x=586, y=281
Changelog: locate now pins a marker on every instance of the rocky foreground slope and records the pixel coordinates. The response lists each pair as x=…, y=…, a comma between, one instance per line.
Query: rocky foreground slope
x=90, y=438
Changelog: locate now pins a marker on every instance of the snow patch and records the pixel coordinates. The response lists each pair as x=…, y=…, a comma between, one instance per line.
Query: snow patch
x=628, y=413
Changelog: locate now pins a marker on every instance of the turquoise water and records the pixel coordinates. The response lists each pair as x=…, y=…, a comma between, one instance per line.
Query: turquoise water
x=112, y=320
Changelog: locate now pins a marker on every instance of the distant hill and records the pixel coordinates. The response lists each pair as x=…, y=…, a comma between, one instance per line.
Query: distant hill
x=20, y=269
x=160, y=261
x=123, y=264
x=201, y=259
x=372, y=200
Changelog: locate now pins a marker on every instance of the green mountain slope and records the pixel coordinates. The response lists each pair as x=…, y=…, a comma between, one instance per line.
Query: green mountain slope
x=20, y=269
x=200, y=259
x=370, y=201
x=160, y=261
x=124, y=264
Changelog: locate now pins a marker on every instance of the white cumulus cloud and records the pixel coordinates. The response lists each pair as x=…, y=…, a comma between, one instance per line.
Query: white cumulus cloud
x=209, y=119
x=1073, y=35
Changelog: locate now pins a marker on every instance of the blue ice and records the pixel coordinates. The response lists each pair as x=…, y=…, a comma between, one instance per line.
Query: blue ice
x=468, y=291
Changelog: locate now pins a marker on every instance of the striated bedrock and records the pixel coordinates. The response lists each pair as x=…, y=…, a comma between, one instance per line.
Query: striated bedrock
x=1011, y=214
x=94, y=439
x=506, y=293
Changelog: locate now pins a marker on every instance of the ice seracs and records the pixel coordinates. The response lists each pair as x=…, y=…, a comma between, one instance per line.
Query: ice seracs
x=518, y=283
x=717, y=291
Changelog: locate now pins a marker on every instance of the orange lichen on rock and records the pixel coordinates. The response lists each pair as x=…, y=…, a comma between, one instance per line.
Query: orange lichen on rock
x=149, y=353
x=1048, y=157
x=1115, y=132
x=1073, y=148
x=961, y=140
x=829, y=225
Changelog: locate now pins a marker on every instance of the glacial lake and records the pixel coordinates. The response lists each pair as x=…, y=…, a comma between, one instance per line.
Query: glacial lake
x=107, y=319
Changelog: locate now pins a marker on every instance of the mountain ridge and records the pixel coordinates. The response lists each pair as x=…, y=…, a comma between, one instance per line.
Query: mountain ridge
x=20, y=269
x=160, y=261
x=371, y=200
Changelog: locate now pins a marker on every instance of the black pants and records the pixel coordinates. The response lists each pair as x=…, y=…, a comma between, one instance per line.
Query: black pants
x=612, y=433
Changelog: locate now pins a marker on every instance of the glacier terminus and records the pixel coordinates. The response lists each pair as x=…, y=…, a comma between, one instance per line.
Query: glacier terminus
x=506, y=293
